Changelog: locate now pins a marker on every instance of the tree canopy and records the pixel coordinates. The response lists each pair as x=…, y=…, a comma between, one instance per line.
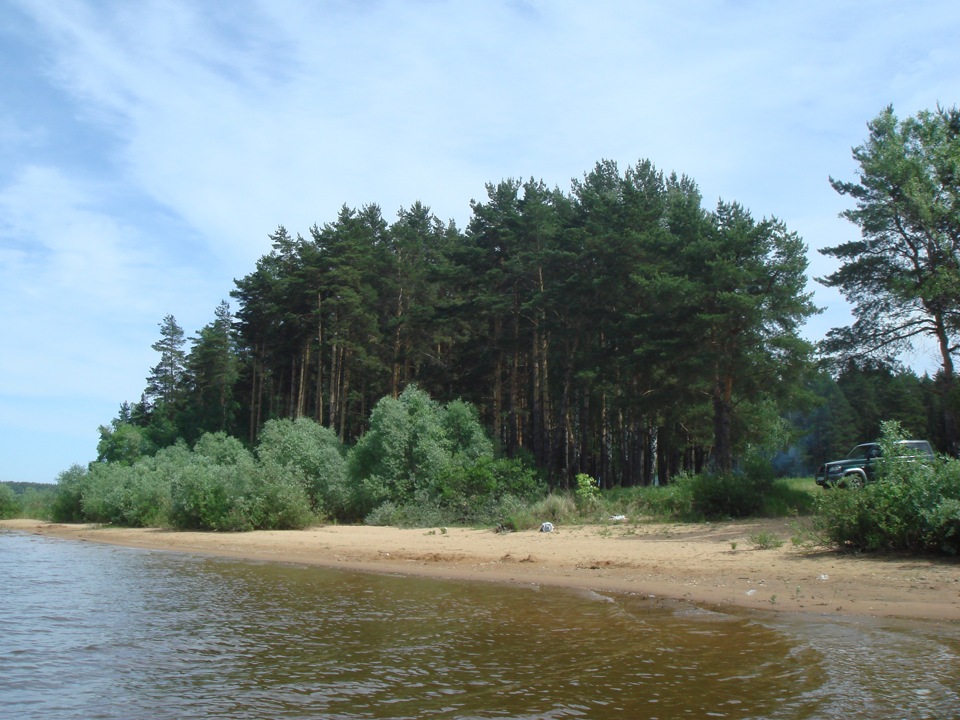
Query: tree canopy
x=621, y=330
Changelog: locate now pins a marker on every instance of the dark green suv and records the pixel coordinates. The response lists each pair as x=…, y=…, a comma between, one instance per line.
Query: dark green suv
x=858, y=467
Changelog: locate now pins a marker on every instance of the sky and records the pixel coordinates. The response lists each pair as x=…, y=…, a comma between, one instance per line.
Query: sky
x=148, y=149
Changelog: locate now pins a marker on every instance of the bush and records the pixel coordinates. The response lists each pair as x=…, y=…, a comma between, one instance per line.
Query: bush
x=912, y=506
x=725, y=495
x=316, y=453
x=474, y=490
x=423, y=514
x=220, y=487
x=68, y=495
x=587, y=492
x=132, y=495
x=123, y=443
x=286, y=504
x=37, y=503
x=421, y=454
x=204, y=496
x=555, y=507
x=9, y=502
x=404, y=450
x=102, y=492
x=222, y=449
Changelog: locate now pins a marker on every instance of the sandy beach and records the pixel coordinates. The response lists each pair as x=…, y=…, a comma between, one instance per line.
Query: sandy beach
x=710, y=566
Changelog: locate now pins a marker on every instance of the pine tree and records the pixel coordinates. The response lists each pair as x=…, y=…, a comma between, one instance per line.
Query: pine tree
x=166, y=378
x=212, y=373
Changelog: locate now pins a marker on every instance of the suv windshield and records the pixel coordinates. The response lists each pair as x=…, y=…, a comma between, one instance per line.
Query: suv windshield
x=864, y=452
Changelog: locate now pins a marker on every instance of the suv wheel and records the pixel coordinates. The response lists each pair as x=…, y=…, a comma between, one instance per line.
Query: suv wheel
x=853, y=481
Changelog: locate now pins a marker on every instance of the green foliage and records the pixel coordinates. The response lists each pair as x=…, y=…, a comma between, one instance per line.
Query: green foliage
x=765, y=541
x=913, y=506
x=222, y=488
x=667, y=502
x=315, y=454
x=790, y=497
x=404, y=450
x=426, y=513
x=37, y=502
x=9, y=502
x=421, y=454
x=465, y=434
x=68, y=496
x=164, y=383
x=123, y=443
x=133, y=495
x=469, y=487
x=901, y=276
x=623, y=308
x=26, y=499
x=216, y=486
x=717, y=495
x=906, y=209
x=204, y=496
x=556, y=507
x=587, y=492
x=221, y=449
x=210, y=378
x=284, y=502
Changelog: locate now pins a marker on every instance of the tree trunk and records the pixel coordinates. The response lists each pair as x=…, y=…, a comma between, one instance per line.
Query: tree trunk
x=319, y=389
x=722, y=417
x=397, y=348
x=497, y=383
x=948, y=381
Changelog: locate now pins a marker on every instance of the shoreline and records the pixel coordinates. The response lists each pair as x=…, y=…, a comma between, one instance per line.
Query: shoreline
x=712, y=566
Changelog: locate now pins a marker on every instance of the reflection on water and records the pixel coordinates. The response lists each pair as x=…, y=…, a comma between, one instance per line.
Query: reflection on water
x=90, y=631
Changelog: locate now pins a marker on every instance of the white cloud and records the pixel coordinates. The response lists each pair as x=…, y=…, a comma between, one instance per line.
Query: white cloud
x=184, y=133
x=82, y=284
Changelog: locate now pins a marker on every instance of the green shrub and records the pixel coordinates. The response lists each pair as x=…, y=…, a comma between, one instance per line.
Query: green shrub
x=912, y=506
x=405, y=449
x=9, y=502
x=587, y=492
x=104, y=492
x=316, y=452
x=465, y=435
x=136, y=495
x=384, y=515
x=123, y=443
x=725, y=495
x=419, y=453
x=37, y=504
x=68, y=495
x=425, y=513
x=286, y=504
x=766, y=541
x=204, y=496
x=222, y=449
x=474, y=490
x=557, y=507
x=220, y=487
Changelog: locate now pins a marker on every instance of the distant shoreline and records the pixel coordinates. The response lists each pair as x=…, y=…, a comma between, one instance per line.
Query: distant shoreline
x=711, y=566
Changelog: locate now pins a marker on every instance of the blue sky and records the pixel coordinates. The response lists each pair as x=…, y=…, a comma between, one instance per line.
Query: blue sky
x=147, y=149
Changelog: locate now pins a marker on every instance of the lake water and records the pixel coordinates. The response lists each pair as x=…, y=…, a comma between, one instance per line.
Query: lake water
x=92, y=631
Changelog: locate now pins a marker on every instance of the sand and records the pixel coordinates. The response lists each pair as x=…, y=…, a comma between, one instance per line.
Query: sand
x=711, y=566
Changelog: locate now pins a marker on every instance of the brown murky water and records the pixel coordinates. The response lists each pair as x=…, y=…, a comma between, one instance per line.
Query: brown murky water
x=89, y=631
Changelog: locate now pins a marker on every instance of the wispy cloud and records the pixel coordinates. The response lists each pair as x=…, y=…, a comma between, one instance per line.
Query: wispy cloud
x=149, y=148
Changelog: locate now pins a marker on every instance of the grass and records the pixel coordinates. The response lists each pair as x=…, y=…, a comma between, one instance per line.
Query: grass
x=793, y=497
x=765, y=541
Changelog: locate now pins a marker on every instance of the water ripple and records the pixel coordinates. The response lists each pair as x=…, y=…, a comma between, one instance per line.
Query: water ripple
x=89, y=631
